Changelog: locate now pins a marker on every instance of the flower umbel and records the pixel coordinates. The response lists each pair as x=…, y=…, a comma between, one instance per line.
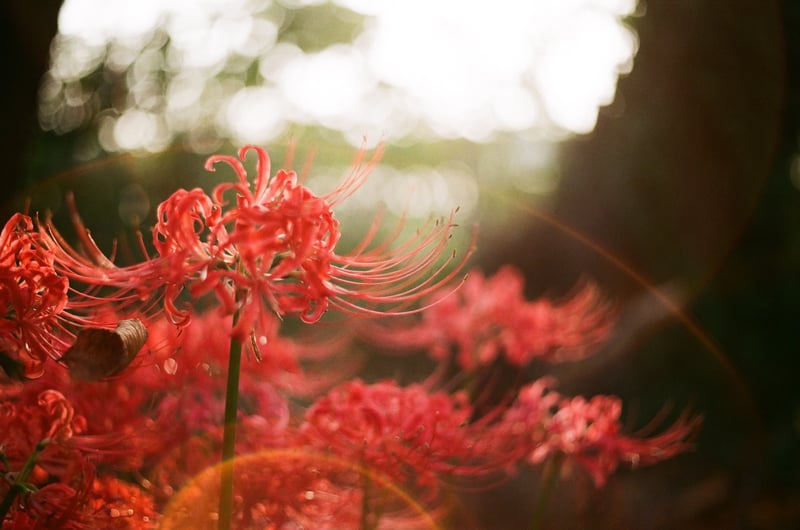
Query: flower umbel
x=268, y=246
x=408, y=434
x=32, y=295
x=488, y=318
x=588, y=431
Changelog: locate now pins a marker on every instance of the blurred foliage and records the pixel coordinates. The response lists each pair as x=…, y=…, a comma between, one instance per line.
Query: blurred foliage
x=314, y=28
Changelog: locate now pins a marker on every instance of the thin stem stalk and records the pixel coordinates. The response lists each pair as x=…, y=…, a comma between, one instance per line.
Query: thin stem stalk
x=545, y=490
x=229, y=433
x=19, y=481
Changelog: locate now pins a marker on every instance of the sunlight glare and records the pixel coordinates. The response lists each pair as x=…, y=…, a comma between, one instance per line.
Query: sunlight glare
x=447, y=69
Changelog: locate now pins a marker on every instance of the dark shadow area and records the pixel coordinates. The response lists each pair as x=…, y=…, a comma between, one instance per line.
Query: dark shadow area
x=688, y=179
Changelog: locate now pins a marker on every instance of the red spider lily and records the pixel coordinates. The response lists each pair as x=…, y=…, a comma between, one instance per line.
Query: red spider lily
x=41, y=320
x=58, y=425
x=171, y=394
x=63, y=422
x=119, y=505
x=270, y=248
x=285, y=489
x=45, y=418
x=530, y=413
x=46, y=474
x=289, y=487
x=196, y=355
x=409, y=434
x=84, y=504
x=32, y=296
x=587, y=432
x=55, y=505
x=489, y=317
x=109, y=422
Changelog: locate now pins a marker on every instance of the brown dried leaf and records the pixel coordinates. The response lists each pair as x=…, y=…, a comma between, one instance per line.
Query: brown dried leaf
x=98, y=353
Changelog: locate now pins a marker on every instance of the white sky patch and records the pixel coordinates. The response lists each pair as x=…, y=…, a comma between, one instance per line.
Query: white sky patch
x=99, y=22
x=449, y=68
x=137, y=130
x=254, y=115
x=475, y=67
x=453, y=58
x=326, y=84
x=578, y=71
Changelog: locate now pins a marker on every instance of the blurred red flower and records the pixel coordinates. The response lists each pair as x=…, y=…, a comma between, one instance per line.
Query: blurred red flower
x=587, y=432
x=489, y=318
x=408, y=434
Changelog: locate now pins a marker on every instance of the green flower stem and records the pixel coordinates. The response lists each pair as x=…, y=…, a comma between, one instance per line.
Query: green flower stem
x=545, y=490
x=229, y=433
x=19, y=482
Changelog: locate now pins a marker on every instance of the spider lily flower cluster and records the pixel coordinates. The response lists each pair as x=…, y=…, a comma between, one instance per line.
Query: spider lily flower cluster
x=489, y=319
x=317, y=444
x=271, y=247
x=32, y=294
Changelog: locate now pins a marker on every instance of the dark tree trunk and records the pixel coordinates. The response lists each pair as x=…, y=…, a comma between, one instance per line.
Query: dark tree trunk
x=26, y=31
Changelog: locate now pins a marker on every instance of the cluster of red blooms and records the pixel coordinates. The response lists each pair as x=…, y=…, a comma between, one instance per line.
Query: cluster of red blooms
x=138, y=446
x=33, y=294
x=490, y=318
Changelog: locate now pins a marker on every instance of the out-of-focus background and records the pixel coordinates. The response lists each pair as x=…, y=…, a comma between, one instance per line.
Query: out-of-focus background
x=651, y=146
